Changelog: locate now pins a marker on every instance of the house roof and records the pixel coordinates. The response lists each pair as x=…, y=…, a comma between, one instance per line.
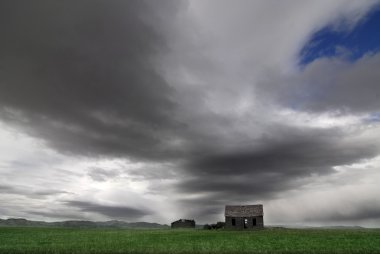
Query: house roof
x=244, y=210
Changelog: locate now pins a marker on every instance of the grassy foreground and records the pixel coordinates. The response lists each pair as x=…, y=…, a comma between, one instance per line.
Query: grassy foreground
x=110, y=241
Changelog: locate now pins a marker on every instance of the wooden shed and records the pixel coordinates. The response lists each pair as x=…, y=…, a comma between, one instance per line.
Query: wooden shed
x=183, y=223
x=244, y=216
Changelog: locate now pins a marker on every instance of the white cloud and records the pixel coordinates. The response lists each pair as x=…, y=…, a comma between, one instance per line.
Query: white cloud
x=348, y=197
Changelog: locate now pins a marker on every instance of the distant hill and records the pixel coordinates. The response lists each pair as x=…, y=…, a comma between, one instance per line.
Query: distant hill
x=19, y=222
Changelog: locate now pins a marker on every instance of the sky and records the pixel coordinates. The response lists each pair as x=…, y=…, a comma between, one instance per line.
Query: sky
x=159, y=110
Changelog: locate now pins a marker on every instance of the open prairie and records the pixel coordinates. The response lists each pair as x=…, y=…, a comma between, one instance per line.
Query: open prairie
x=270, y=240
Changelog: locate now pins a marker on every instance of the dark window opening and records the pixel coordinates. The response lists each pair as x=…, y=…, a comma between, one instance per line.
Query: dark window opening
x=245, y=222
x=233, y=222
x=254, y=222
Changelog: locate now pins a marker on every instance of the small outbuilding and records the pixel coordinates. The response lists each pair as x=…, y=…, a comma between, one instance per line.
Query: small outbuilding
x=183, y=223
x=244, y=216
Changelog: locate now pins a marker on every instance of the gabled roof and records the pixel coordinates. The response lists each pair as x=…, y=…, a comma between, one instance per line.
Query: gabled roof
x=243, y=210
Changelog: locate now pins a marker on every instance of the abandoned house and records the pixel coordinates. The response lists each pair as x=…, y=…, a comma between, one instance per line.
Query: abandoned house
x=244, y=216
x=183, y=223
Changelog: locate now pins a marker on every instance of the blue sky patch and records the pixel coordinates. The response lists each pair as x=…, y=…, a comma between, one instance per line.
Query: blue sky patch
x=327, y=42
x=375, y=117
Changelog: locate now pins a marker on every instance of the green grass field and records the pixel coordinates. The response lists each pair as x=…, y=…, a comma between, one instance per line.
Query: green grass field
x=66, y=240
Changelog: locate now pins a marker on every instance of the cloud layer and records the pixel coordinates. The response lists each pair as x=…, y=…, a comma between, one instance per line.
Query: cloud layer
x=185, y=105
x=83, y=78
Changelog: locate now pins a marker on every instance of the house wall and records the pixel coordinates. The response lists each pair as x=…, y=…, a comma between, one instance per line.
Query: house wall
x=239, y=222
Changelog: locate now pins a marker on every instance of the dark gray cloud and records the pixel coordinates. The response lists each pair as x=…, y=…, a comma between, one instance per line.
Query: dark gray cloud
x=357, y=214
x=4, y=188
x=56, y=214
x=206, y=210
x=239, y=188
x=124, y=212
x=27, y=191
x=81, y=75
x=265, y=172
x=47, y=192
x=287, y=155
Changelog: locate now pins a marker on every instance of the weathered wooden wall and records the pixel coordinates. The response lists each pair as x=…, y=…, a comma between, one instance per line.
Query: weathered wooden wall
x=239, y=222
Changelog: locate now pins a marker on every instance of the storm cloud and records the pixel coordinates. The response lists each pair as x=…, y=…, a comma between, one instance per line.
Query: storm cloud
x=111, y=211
x=124, y=212
x=183, y=105
x=35, y=193
x=82, y=75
